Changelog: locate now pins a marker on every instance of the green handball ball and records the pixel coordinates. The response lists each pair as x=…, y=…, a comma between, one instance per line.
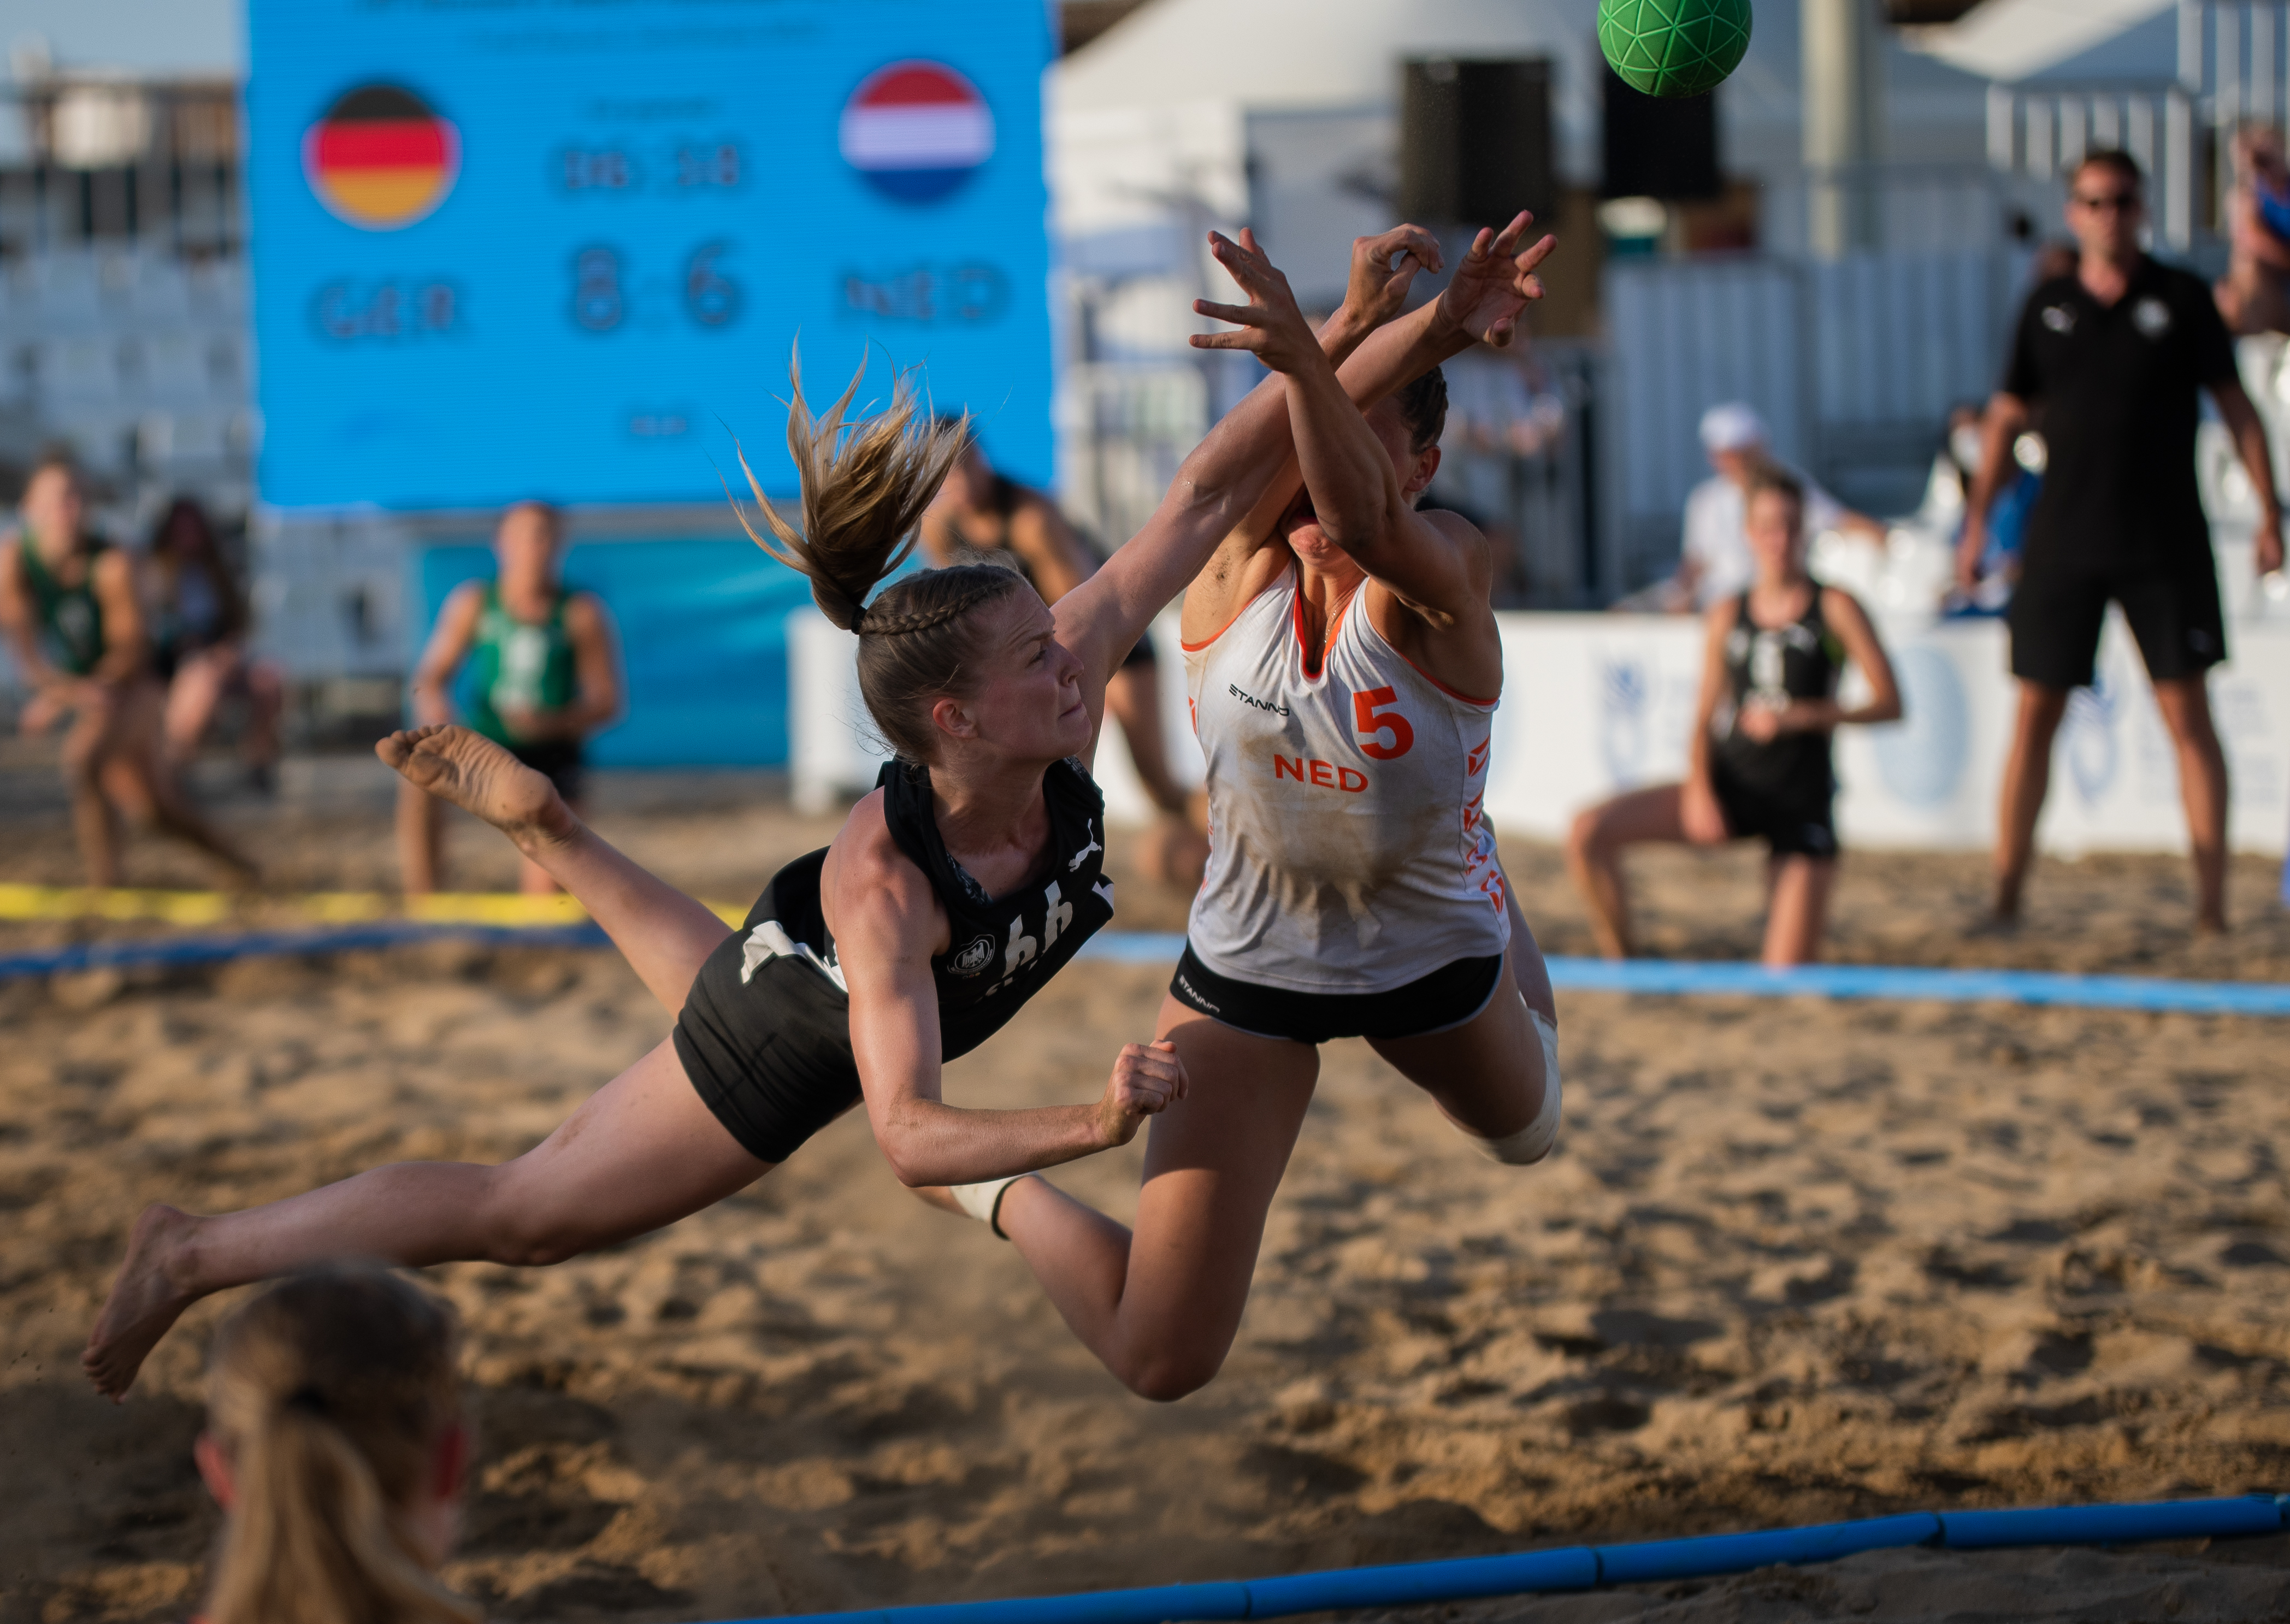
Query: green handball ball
x=1673, y=47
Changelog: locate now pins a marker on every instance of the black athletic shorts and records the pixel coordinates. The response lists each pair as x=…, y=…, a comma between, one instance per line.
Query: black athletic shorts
x=1448, y=996
x=558, y=760
x=765, y=1037
x=1793, y=825
x=1142, y=654
x=2174, y=611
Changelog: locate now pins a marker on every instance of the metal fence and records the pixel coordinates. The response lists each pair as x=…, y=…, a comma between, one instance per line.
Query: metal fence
x=1854, y=363
x=2232, y=65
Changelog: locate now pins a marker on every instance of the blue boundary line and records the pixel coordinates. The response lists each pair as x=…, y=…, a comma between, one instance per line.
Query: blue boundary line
x=1584, y=1567
x=1652, y=977
x=170, y=952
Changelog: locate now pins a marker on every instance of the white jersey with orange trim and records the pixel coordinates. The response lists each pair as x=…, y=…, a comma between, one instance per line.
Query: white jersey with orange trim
x=1348, y=853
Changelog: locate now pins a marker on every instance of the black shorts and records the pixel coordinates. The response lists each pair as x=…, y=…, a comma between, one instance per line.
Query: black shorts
x=2174, y=611
x=1447, y=998
x=1142, y=654
x=557, y=760
x=1793, y=825
x=767, y=1043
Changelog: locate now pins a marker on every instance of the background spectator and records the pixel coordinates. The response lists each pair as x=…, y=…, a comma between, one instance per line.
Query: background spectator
x=2114, y=355
x=1760, y=763
x=981, y=515
x=68, y=607
x=545, y=674
x=199, y=627
x=2251, y=295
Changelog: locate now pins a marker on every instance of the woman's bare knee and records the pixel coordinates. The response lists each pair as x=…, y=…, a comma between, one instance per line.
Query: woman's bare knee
x=1167, y=1374
x=524, y=1226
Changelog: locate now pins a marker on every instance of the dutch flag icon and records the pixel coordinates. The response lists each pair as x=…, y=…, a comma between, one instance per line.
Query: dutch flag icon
x=916, y=131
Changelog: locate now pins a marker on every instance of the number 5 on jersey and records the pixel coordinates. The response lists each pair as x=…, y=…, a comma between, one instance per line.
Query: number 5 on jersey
x=1375, y=712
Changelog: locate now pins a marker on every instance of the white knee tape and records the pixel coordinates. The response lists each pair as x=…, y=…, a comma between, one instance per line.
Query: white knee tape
x=1532, y=1142
x=983, y=1201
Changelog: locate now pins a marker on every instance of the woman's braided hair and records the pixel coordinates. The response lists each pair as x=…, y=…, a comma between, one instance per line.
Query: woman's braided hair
x=865, y=484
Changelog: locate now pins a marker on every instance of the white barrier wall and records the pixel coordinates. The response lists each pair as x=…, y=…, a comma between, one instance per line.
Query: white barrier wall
x=1598, y=703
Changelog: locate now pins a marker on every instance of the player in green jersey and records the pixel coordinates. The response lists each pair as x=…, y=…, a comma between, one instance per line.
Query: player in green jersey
x=543, y=670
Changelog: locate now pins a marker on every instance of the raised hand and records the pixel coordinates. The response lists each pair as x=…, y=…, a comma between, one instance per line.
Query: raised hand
x=1146, y=1079
x=1271, y=327
x=1495, y=281
x=1383, y=266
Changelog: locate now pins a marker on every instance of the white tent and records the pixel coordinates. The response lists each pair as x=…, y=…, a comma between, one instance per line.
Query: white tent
x=2010, y=40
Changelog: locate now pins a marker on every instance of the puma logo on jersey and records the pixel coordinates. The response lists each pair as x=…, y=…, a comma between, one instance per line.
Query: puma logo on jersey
x=1080, y=856
x=770, y=941
x=1326, y=774
x=1250, y=699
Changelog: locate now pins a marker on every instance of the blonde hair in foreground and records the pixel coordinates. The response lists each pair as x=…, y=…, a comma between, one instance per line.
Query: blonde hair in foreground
x=330, y=1393
x=865, y=485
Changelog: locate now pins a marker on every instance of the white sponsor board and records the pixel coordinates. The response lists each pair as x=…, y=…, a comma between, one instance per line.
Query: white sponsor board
x=1594, y=704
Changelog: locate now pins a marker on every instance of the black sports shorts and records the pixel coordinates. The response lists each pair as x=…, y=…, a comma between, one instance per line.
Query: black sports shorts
x=769, y=1050
x=2174, y=611
x=1447, y=998
x=558, y=760
x=1792, y=826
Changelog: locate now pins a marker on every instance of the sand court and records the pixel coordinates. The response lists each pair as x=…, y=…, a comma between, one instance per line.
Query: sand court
x=1792, y=1261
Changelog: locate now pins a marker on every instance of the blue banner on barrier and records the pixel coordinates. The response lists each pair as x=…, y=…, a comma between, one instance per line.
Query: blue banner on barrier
x=702, y=626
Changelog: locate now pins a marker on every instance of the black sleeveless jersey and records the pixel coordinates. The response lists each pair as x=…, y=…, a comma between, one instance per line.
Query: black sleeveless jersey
x=766, y=1032
x=1801, y=661
x=1003, y=950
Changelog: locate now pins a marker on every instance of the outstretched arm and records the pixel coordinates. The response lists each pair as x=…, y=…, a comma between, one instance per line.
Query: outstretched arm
x=886, y=924
x=1360, y=501
x=1227, y=473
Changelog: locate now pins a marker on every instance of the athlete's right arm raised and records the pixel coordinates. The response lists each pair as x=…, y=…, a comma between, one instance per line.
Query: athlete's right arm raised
x=887, y=924
x=1226, y=475
x=1357, y=495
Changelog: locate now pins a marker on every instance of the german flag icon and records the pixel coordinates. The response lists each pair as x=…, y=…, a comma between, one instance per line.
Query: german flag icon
x=379, y=158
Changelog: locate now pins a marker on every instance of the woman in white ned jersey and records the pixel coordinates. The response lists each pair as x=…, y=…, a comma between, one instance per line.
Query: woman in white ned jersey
x=1344, y=666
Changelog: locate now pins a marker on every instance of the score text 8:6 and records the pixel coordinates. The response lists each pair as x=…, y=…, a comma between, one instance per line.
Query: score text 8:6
x=711, y=298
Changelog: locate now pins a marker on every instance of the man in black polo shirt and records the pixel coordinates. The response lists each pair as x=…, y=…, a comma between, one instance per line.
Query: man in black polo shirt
x=2115, y=354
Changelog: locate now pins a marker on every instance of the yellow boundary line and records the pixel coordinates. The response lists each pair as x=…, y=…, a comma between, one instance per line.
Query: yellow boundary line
x=504, y=908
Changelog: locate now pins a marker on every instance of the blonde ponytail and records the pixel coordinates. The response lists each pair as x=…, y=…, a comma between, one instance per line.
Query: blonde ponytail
x=330, y=1393
x=865, y=485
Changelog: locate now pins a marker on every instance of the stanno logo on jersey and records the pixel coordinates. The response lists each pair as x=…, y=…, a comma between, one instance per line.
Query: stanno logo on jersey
x=976, y=954
x=1250, y=699
x=2060, y=318
x=2151, y=316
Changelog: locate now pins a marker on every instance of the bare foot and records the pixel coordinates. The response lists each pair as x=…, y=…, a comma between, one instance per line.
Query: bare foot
x=145, y=1301
x=478, y=776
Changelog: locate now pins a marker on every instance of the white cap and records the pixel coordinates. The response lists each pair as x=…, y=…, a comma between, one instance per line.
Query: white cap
x=1735, y=426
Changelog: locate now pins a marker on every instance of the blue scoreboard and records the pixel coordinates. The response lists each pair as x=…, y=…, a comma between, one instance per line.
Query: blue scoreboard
x=564, y=248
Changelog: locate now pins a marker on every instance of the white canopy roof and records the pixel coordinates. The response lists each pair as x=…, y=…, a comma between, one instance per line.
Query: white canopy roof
x=2009, y=40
